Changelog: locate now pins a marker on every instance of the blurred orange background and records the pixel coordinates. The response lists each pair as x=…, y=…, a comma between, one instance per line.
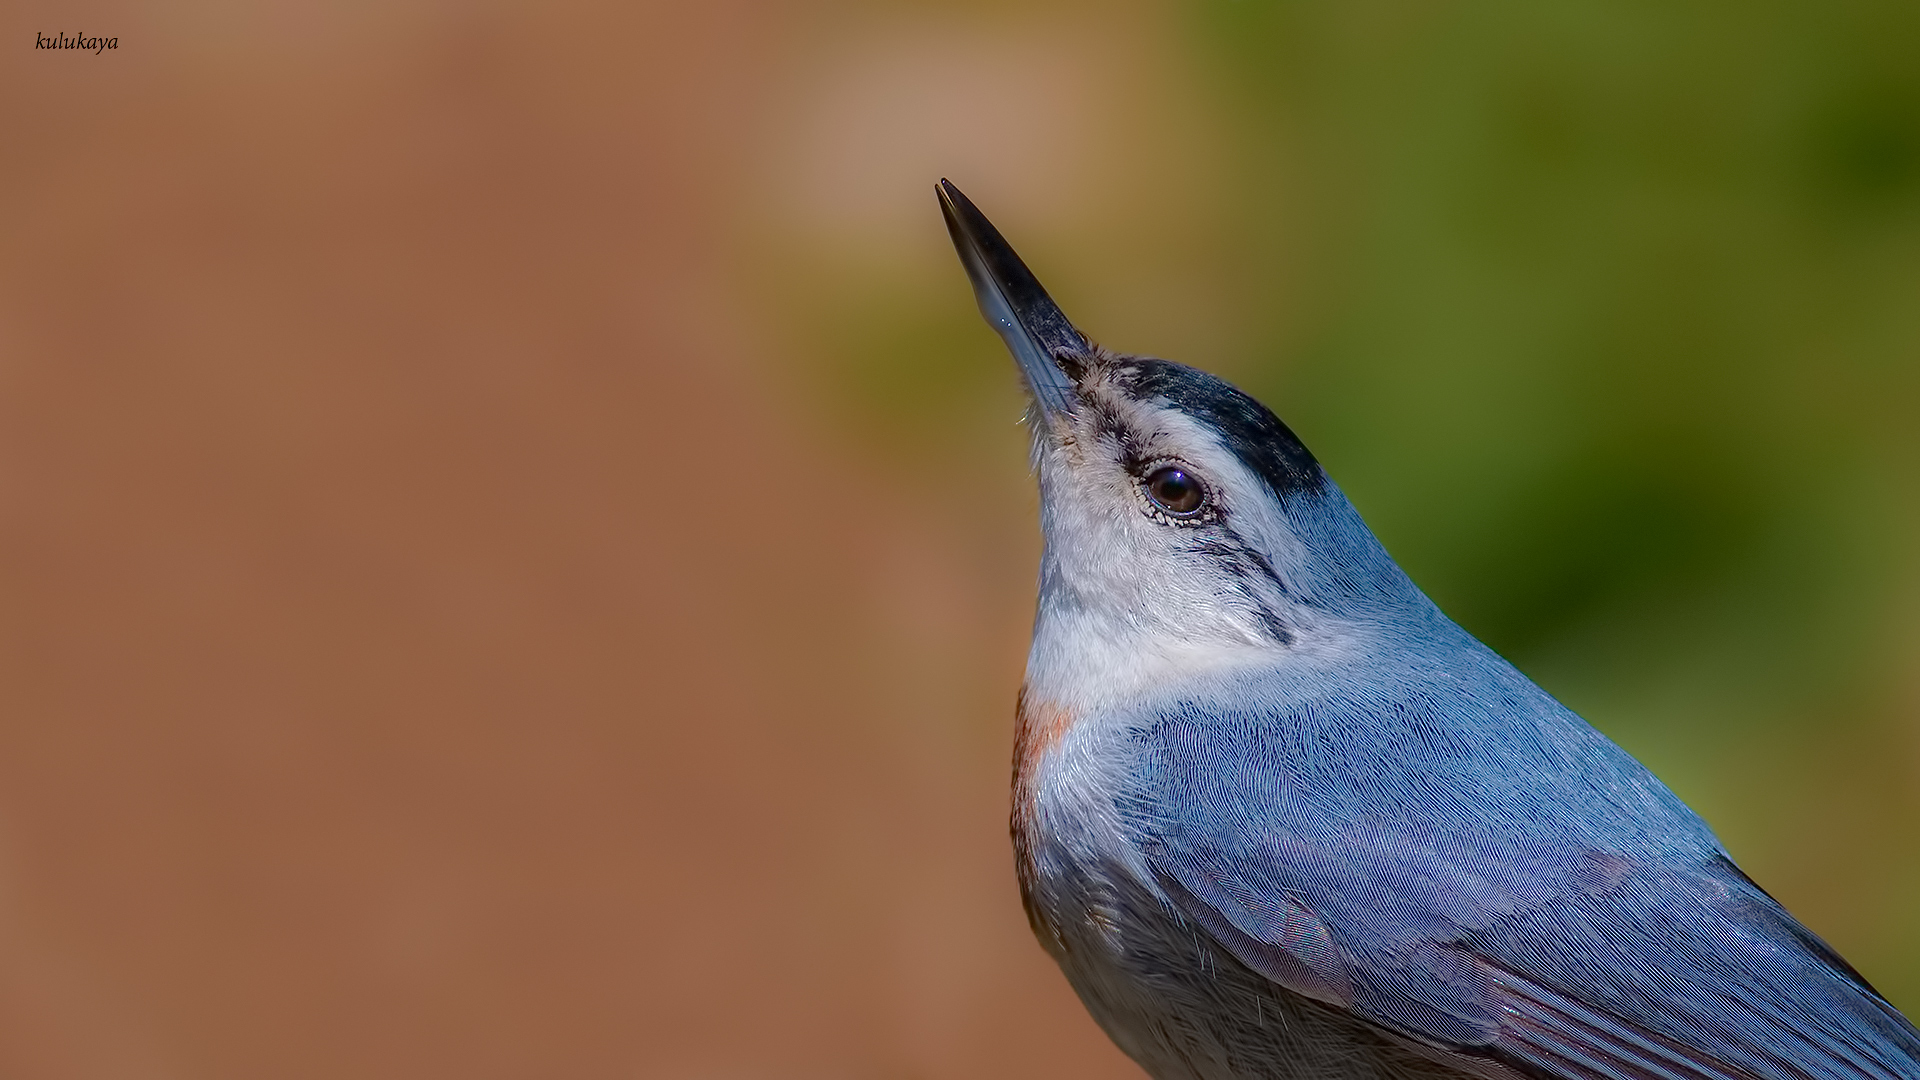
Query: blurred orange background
x=515, y=550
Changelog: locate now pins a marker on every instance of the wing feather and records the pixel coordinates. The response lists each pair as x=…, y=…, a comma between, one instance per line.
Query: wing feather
x=1559, y=962
x=1570, y=1038
x=1700, y=991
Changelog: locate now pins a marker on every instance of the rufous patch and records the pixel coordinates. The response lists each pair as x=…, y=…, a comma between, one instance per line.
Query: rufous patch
x=1037, y=726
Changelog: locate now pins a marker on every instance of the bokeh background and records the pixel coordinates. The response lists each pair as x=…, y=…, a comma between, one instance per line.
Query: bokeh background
x=515, y=549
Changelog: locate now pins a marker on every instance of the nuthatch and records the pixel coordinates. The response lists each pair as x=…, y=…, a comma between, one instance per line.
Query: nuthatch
x=1276, y=816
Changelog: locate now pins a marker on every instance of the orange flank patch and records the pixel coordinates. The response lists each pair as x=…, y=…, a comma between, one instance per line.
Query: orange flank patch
x=1037, y=726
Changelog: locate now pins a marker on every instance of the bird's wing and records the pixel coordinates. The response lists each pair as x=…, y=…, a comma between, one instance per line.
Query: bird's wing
x=1502, y=946
x=1656, y=978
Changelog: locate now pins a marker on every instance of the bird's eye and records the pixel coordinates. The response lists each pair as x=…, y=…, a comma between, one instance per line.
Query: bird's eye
x=1176, y=491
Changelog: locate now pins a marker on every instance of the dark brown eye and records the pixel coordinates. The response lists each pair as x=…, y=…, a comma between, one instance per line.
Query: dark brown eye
x=1176, y=491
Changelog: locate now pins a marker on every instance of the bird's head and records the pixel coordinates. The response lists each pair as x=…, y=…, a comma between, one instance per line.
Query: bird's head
x=1185, y=525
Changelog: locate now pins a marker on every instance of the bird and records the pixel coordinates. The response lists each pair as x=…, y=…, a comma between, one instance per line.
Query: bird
x=1277, y=817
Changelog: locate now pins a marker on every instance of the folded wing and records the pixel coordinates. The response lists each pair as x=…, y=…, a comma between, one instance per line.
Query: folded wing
x=1645, y=974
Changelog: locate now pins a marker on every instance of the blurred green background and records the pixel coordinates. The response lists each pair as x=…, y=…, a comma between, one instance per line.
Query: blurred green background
x=516, y=550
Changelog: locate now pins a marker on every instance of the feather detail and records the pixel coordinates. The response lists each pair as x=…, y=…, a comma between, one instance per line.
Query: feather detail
x=1569, y=1038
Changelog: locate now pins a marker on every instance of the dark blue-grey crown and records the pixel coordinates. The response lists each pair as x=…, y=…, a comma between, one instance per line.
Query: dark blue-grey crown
x=1262, y=442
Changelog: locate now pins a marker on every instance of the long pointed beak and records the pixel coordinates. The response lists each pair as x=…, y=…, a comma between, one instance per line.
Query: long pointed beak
x=1014, y=303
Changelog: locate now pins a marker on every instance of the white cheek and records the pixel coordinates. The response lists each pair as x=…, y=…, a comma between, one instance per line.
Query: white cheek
x=1120, y=612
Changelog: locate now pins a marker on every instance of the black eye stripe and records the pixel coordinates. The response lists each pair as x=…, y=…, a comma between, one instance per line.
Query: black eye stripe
x=1245, y=565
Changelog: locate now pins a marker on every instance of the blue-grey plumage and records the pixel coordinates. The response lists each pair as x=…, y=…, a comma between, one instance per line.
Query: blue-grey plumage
x=1275, y=815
